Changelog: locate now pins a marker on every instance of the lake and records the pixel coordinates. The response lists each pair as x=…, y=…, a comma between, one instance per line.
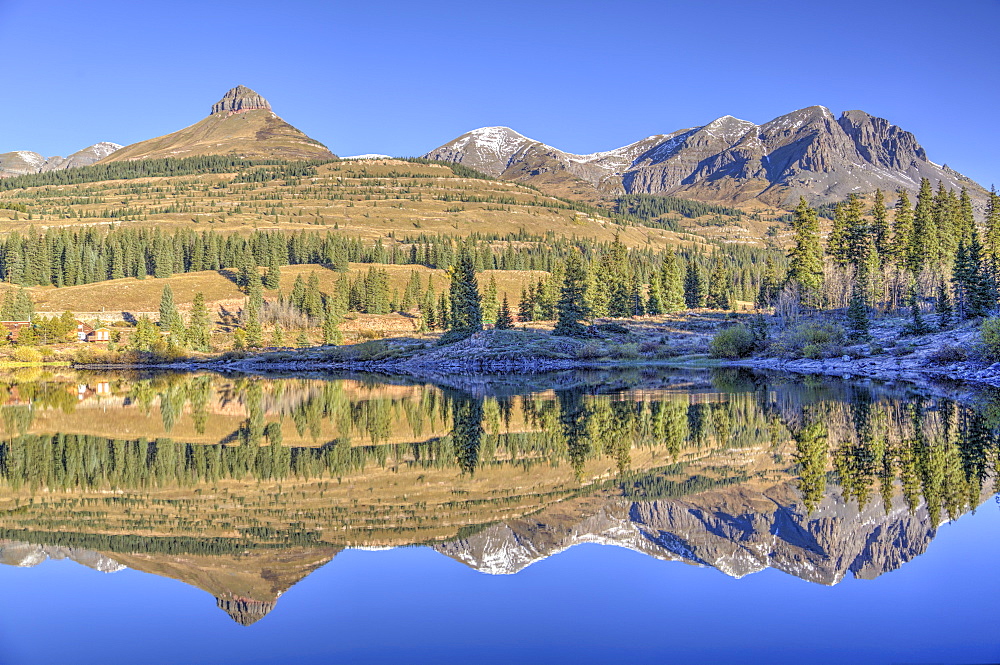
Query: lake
x=586, y=517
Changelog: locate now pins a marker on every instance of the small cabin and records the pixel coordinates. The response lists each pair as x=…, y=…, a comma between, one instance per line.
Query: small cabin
x=12, y=329
x=98, y=335
x=82, y=331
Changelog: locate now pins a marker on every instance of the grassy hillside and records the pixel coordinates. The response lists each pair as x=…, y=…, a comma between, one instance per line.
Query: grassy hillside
x=387, y=199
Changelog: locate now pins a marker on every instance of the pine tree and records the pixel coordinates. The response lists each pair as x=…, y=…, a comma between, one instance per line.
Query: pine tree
x=902, y=230
x=145, y=335
x=672, y=281
x=272, y=278
x=198, y=327
x=466, y=308
x=838, y=243
x=694, y=286
x=926, y=246
x=505, y=321
x=942, y=305
x=992, y=222
x=805, y=268
x=572, y=309
x=881, y=236
x=857, y=315
x=278, y=336
x=718, y=286
x=331, y=324
x=252, y=315
x=168, y=311
x=490, y=302
x=654, y=303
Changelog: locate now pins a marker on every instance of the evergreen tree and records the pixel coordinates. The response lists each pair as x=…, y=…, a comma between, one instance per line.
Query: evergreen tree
x=902, y=230
x=925, y=250
x=942, y=305
x=992, y=223
x=857, y=315
x=505, y=321
x=198, y=326
x=278, y=336
x=805, y=268
x=168, y=311
x=145, y=335
x=331, y=324
x=838, y=243
x=672, y=282
x=694, y=286
x=490, y=303
x=466, y=309
x=718, y=286
x=881, y=236
x=572, y=309
x=252, y=315
x=654, y=303
x=272, y=278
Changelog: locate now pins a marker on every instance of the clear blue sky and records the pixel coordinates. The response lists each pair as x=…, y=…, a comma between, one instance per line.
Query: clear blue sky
x=404, y=77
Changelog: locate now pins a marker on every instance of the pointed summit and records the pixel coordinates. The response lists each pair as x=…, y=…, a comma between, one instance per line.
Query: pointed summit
x=240, y=98
x=241, y=124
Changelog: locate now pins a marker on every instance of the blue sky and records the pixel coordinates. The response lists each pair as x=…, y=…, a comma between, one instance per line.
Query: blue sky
x=404, y=77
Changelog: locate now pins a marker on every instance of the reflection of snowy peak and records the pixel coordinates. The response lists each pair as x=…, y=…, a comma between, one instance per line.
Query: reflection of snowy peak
x=26, y=555
x=807, y=152
x=736, y=531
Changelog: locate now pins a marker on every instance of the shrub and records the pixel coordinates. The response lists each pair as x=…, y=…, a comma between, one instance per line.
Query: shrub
x=733, y=342
x=949, y=353
x=626, y=351
x=27, y=354
x=589, y=351
x=810, y=339
x=989, y=335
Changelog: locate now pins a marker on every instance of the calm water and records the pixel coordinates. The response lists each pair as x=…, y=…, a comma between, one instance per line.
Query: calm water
x=579, y=517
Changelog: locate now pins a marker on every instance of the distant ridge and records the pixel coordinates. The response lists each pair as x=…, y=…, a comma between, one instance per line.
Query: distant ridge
x=806, y=153
x=241, y=124
x=24, y=162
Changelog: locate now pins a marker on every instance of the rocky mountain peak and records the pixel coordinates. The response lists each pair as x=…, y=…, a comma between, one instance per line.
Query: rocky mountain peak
x=240, y=98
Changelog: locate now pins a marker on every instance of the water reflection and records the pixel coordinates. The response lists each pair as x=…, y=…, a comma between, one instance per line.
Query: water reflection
x=243, y=486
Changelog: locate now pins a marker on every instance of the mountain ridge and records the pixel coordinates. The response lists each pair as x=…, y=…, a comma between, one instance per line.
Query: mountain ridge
x=807, y=152
x=25, y=162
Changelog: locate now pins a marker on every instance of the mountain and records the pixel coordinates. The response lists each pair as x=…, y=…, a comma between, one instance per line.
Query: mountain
x=240, y=124
x=23, y=162
x=805, y=153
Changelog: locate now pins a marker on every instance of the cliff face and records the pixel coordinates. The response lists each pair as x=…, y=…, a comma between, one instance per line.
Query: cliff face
x=807, y=153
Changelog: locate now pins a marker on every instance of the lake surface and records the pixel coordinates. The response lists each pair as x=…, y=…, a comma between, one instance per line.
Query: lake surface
x=589, y=517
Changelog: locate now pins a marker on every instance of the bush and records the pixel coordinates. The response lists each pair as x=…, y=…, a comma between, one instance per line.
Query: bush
x=949, y=353
x=989, y=335
x=625, y=351
x=810, y=339
x=733, y=342
x=27, y=354
x=589, y=351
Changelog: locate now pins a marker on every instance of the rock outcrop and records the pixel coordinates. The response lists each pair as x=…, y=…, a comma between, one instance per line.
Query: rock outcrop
x=240, y=98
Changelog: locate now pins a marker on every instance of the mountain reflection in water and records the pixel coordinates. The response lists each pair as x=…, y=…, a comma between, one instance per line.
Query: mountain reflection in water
x=244, y=486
